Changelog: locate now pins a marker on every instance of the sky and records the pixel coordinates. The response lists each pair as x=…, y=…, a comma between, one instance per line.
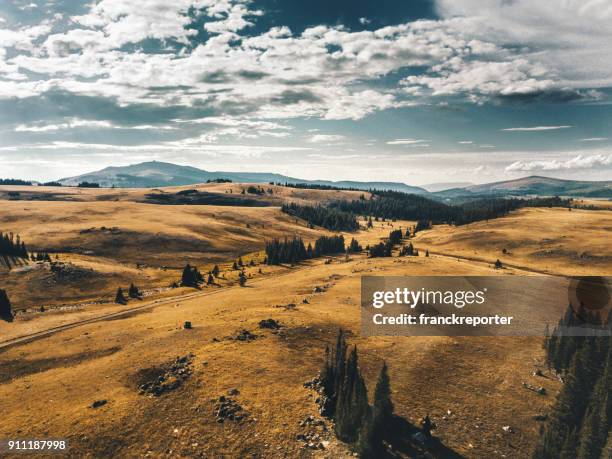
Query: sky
x=417, y=91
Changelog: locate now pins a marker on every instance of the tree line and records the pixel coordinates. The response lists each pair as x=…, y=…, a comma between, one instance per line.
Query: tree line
x=580, y=423
x=398, y=205
x=294, y=250
x=330, y=218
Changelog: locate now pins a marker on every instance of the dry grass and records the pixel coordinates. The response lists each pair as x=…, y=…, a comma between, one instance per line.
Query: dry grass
x=52, y=382
x=550, y=240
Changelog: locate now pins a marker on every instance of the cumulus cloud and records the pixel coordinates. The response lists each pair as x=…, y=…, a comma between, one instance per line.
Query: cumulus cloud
x=579, y=162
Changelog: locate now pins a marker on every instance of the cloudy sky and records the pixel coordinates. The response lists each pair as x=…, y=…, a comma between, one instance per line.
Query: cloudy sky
x=418, y=91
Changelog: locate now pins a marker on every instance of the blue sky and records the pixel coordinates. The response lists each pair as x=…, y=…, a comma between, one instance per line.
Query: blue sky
x=415, y=91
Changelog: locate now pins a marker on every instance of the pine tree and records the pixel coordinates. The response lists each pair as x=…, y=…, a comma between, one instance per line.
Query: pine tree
x=188, y=278
x=498, y=264
x=120, y=297
x=352, y=405
x=215, y=271
x=210, y=280
x=242, y=279
x=133, y=291
x=6, y=310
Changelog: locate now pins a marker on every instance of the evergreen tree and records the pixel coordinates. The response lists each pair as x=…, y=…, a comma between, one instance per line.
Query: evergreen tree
x=120, y=297
x=6, y=310
x=354, y=246
x=191, y=277
x=352, y=405
x=210, y=280
x=133, y=292
x=498, y=264
x=242, y=279
x=215, y=271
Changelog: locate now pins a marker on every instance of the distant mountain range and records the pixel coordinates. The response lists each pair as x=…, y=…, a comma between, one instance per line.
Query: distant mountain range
x=158, y=174
x=534, y=185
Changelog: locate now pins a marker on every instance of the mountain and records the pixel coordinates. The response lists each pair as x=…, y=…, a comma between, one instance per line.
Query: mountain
x=158, y=174
x=535, y=185
x=442, y=186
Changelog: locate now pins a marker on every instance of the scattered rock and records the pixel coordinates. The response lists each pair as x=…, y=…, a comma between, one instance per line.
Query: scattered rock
x=233, y=391
x=245, y=335
x=305, y=301
x=269, y=323
x=99, y=403
x=507, y=429
x=168, y=377
x=317, y=289
x=227, y=408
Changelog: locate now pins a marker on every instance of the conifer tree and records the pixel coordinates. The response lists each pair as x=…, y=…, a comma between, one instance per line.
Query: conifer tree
x=210, y=280
x=120, y=297
x=133, y=291
x=242, y=279
x=215, y=271
x=6, y=310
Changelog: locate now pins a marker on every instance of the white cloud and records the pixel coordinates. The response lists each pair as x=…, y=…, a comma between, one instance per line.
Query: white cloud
x=74, y=123
x=326, y=138
x=594, y=139
x=466, y=142
x=578, y=162
x=536, y=128
x=364, y=21
x=406, y=141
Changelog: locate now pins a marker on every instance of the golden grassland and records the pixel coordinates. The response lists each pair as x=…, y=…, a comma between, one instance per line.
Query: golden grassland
x=472, y=387
x=555, y=241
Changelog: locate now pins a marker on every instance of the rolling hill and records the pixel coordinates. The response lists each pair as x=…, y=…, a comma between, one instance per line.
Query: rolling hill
x=534, y=185
x=158, y=174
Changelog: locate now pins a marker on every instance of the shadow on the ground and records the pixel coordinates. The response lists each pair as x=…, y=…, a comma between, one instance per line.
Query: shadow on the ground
x=400, y=437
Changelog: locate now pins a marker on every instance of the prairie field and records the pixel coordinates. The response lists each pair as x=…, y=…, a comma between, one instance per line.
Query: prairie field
x=49, y=382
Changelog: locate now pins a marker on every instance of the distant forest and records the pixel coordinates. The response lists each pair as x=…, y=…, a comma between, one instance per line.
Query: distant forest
x=14, y=182
x=342, y=215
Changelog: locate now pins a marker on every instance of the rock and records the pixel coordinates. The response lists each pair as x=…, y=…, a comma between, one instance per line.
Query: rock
x=317, y=289
x=305, y=301
x=245, y=335
x=99, y=403
x=187, y=325
x=233, y=391
x=173, y=375
x=507, y=429
x=269, y=323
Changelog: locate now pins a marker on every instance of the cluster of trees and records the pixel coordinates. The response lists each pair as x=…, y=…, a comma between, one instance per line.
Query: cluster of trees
x=219, y=180
x=580, y=424
x=396, y=236
x=14, y=182
x=6, y=311
x=293, y=250
x=327, y=217
x=51, y=184
x=409, y=251
x=398, y=205
x=191, y=277
x=354, y=246
x=382, y=249
x=314, y=186
x=327, y=245
x=346, y=401
x=86, y=184
x=12, y=246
